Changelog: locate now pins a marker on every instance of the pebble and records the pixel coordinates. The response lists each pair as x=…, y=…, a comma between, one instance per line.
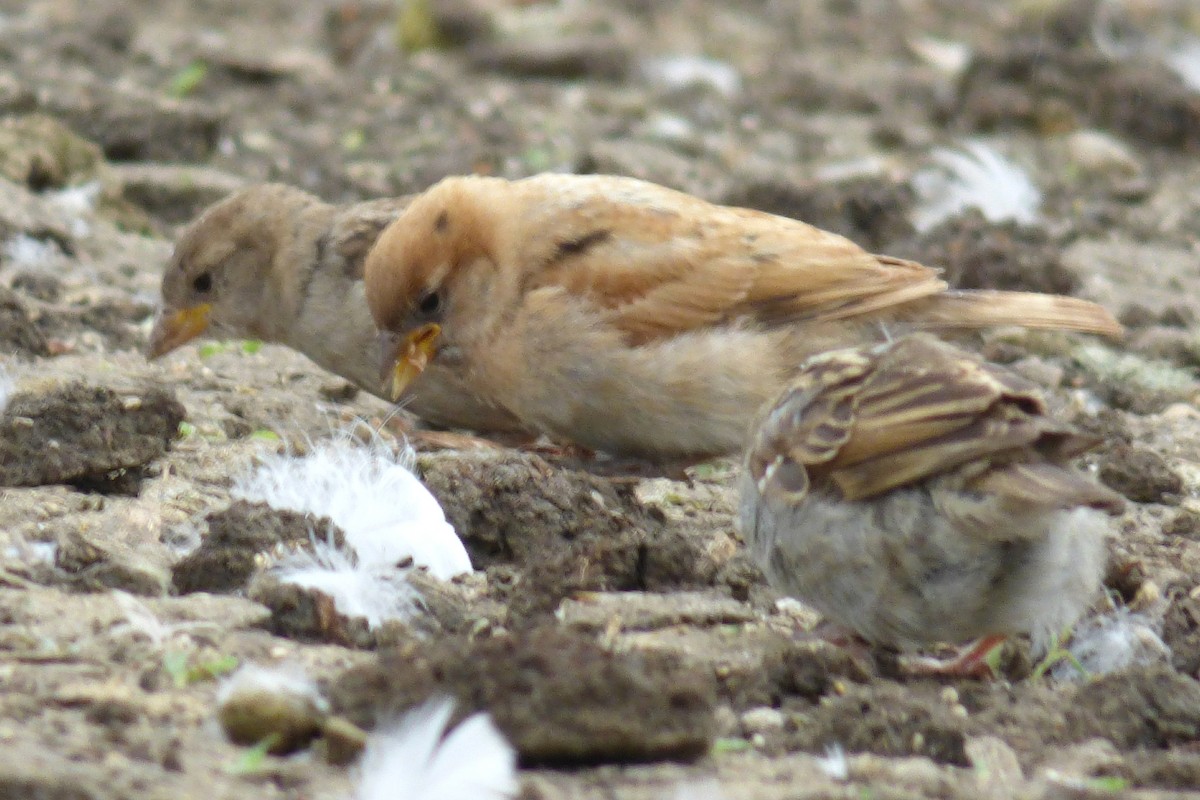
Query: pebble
x=758, y=721
x=1100, y=153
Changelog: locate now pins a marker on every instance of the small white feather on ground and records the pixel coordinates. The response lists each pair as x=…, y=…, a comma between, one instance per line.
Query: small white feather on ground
x=834, y=763
x=7, y=385
x=387, y=514
x=391, y=523
x=28, y=252
x=1113, y=642
x=78, y=203
x=30, y=553
x=946, y=55
x=1185, y=61
x=418, y=760
x=676, y=72
x=975, y=176
x=377, y=592
x=1119, y=37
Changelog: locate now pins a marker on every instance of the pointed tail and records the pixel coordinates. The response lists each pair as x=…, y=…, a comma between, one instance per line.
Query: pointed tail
x=985, y=308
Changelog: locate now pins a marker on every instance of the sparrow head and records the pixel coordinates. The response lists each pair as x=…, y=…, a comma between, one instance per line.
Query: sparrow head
x=423, y=278
x=219, y=274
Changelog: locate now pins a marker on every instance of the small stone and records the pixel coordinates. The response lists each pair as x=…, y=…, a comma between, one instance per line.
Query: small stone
x=18, y=333
x=1101, y=153
x=342, y=741
x=1185, y=524
x=85, y=435
x=258, y=703
x=763, y=720
x=1140, y=474
x=1040, y=371
x=338, y=391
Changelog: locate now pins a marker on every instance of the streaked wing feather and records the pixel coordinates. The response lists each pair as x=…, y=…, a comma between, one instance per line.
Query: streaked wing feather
x=874, y=420
x=811, y=421
x=914, y=462
x=356, y=229
x=1047, y=485
x=916, y=396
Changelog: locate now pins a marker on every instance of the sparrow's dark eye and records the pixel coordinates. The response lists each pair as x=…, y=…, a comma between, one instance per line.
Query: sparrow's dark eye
x=203, y=282
x=430, y=303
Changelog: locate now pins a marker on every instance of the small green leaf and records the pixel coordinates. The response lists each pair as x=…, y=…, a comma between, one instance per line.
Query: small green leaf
x=709, y=470
x=1108, y=783
x=992, y=659
x=212, y=348
x=251, y=346
x=253, y=759
x=353, y=140
x=183, y=673
x=1056, y=653
x=730, y=745
x=537, y=159
x=186, y=429
x=211, y=670
x=265, y=435
x=188, y=79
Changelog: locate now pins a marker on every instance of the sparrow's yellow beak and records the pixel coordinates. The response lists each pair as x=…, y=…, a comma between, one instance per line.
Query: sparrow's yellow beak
x=174, y=328
x=405, y=358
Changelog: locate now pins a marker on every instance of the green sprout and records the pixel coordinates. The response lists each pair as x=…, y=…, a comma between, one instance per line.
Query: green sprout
x=730, y=745
x=209, y=349
x=253, y=759
x=188, y=79
x=353, y=140
x=1055, y=654
x=1107, y=783
x=246, y=346
x=183, y=673
x=992, y=659
x=710, y=470
x=538, y=159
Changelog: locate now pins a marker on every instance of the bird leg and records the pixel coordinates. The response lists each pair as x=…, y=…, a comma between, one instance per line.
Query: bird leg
x=428, y=440
x=970, y=663
x=431, y=441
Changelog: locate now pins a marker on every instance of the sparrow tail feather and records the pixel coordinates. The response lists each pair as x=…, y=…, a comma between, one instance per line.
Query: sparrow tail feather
x=987, y=308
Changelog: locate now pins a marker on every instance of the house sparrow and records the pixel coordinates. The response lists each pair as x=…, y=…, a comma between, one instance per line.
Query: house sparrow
x=274, y=263
x=915, y=493
x=630, y=318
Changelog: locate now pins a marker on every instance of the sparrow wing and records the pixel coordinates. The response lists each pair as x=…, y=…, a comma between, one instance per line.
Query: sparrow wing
x=660, y=262
x=355, y=230
x=924, y=408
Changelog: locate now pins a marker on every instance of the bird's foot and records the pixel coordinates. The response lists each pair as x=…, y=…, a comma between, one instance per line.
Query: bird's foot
x=971, y=663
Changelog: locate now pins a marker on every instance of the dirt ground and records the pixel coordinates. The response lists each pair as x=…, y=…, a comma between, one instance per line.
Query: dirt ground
x=614, y=629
